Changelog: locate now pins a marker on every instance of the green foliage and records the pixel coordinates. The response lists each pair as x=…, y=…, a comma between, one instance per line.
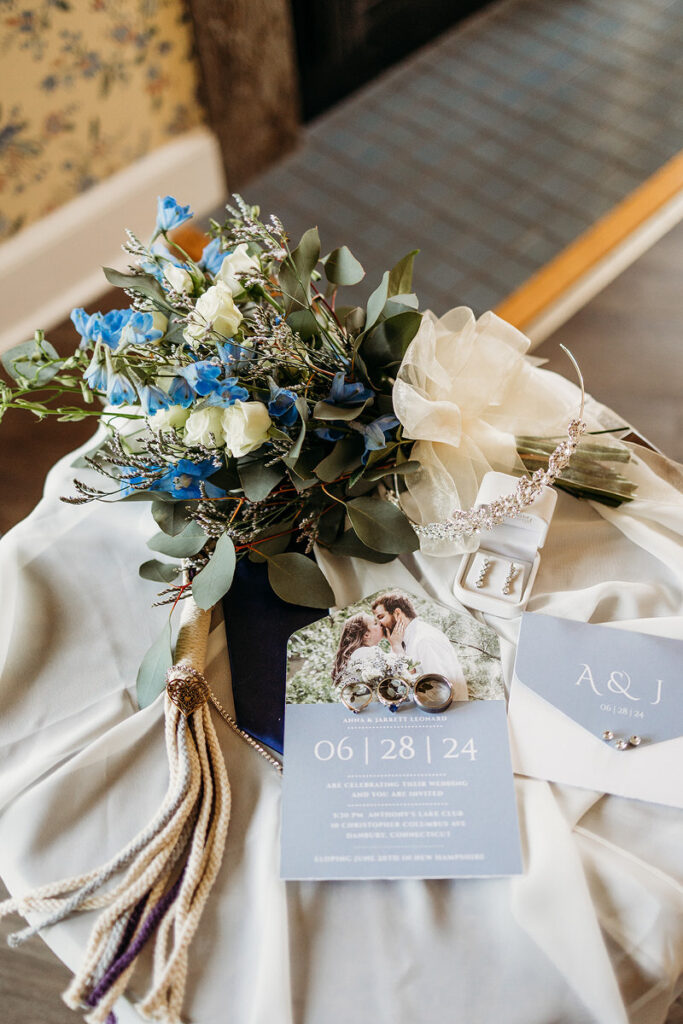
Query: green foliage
x=160, y=572
x=342, y=267
x=32, y=363
x=382, y=526
x=151, y=678
x=299, y=580
x=215, y=579
x=183, y=545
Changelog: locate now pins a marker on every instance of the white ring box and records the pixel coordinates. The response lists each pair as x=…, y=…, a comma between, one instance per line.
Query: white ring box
x=513, y=544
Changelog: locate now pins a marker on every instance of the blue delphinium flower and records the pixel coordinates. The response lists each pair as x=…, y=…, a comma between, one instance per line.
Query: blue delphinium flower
x=180, y=392
x=152, y=399
x=111, y=326
x=182, y=480
x=282, y=405
x=212, y=256
x=375, y=434
x=86, y=324
x=227, y=392
x=96, y=375
x=202, y=376
x=120, y=391
x=329, y=433
x=105, y=327
x=170, y=213
x=348, y=394
x=230, y=353
x=139, y=330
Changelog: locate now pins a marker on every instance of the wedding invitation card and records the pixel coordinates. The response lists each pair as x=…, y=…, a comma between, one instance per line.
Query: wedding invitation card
x=598, y=707
x=396, y=757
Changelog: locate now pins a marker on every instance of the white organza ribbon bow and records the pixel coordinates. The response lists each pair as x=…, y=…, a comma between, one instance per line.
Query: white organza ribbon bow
x=463, y=392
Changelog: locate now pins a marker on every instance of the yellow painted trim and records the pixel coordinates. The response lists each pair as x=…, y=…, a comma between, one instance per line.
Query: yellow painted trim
x=549, y=283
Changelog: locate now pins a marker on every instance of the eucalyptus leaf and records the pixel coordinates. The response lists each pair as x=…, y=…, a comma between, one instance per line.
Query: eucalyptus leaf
x=151, y=678
x=277, y=434
x=399, y=304
x=351, y=546
x=359, y=485
x=381, y=525
x=304, y=323
x=386, y=344
x=258, y=479
x=170, y=516
x=354, y=320
x=189, y=542
x=175, y=332
x=295, y=272
x=160, y=572
x=401, y=276
x=326, y=411
x=26, y=360
x=404, y=469
x=215, y=579
x=344, y=457
x=292, y=455
x=143, y=284
x=342, y=267
x=330, y=523
x=376, y=301
x=298, y=580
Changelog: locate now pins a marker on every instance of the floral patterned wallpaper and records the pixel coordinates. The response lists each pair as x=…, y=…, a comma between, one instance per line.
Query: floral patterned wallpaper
x=86, y=87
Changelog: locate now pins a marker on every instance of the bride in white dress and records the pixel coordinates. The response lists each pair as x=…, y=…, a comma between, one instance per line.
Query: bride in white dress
x=359, y=656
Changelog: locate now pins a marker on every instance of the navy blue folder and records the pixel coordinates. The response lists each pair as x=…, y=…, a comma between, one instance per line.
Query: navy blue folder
x=258, y=625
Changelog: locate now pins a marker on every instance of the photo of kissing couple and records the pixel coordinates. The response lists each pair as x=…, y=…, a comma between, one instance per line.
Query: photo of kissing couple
x=398, y=634
x=415, y=646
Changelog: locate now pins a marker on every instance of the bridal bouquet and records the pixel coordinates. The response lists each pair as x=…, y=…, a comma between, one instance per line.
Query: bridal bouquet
x=260, y=416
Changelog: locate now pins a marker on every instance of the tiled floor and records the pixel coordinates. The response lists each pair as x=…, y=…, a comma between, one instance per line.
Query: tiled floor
x=492, y=148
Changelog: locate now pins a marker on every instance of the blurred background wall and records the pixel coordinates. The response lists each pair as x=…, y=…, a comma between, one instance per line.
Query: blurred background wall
x=87, y=88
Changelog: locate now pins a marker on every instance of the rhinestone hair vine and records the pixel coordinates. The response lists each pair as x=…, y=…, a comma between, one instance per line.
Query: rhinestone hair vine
x=464, y=523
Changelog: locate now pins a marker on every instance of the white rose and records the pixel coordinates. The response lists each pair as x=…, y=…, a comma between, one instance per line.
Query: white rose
x=215, y=309
x=236, y=262
x=245, y=427
x=202, y=424
x=167, y=419
x=179, y=279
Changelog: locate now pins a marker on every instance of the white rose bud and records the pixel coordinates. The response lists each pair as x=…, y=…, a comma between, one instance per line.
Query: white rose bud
x=179, y=279
x=168, y=419
x=245, y=427
x=236, y=262
x=202, y=424
x=214, y=310
x=159, y=323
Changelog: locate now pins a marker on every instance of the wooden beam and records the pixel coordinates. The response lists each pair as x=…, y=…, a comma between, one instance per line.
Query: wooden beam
x=250, y=84
x=547, y=286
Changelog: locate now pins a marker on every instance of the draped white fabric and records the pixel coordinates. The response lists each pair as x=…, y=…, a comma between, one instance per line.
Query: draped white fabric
x=592, y=933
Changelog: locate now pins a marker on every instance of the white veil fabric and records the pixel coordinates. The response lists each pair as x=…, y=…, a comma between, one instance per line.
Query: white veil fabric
x=592, y=933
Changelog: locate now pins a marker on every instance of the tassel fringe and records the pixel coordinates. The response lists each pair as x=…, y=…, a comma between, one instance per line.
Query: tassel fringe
x=170, y=866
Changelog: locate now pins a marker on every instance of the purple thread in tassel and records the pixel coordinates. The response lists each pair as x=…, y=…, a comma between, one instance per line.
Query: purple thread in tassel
x=151, y=921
